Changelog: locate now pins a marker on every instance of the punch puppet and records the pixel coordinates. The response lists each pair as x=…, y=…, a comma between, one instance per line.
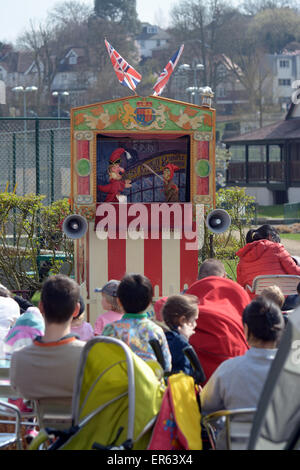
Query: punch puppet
x=116, y=184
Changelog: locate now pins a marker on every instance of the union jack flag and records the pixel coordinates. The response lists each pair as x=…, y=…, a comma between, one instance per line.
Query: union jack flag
x=167, y=72
x=126, y=74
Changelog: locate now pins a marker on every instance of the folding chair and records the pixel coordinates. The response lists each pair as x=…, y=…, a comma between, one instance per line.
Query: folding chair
x=54, y=413
x=13, y=417
x=288, y=283
x=229, y=428
x=6, y=391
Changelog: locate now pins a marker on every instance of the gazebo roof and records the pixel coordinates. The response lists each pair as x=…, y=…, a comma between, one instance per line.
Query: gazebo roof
x=282, y=130
x=287, y=129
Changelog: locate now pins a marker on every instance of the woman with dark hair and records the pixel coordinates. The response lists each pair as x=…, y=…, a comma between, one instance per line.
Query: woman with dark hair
x=263, y=254
x=238, y=382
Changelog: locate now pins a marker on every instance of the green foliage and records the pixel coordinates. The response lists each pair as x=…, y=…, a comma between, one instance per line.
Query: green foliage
x=274, y=28
x=118, y=11
x=30, y=231
x=241, y=209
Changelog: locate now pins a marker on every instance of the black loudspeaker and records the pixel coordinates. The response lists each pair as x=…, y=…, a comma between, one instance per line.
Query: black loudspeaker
x=75, y=226
x=218, y=221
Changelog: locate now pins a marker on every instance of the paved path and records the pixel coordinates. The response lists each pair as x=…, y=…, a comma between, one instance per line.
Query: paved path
x=292, y=246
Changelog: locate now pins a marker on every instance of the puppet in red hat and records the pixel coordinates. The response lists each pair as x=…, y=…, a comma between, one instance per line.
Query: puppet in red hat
x=170, y=188
x=116, y=185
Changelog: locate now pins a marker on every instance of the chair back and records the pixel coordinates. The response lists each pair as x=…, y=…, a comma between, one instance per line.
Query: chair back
x=10, y=415
x=286, y=282
x=229, y=429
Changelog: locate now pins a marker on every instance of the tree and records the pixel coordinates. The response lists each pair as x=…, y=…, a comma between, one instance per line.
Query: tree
x=198, y=23
x=122, y=12
x=252, y=7
x=274, y=28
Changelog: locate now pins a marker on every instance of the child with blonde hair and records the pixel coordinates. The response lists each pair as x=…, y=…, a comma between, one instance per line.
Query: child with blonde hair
x=275, y=294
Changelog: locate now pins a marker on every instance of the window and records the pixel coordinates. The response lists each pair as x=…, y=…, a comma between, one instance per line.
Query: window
x=221, y=93
x=73, y=59
x=257, y=153
x=158, y=43
x=152, y=30
x=274, y=153
x=284, y=64
x=284, y=82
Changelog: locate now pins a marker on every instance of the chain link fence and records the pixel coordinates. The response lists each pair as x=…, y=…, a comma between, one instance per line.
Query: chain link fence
x=35, y=157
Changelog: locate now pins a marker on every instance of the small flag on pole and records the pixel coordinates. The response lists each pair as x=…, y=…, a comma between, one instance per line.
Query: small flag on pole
x=167, y=72
x=126, y=74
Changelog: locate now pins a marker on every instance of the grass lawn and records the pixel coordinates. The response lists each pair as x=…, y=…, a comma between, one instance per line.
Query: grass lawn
x=274, y=212
x=291, y=236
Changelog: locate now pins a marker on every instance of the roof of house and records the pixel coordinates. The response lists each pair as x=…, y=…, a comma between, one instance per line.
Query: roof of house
x=18, y=62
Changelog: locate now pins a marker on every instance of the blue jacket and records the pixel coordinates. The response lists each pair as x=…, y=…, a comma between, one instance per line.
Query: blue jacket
x=177, y=343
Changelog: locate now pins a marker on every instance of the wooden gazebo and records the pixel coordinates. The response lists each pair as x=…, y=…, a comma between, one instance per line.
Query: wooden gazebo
x=267, y=161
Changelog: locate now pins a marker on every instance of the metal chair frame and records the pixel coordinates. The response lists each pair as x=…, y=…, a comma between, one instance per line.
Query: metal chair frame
x=9, y=438
x=287, y=283
x=209, y=420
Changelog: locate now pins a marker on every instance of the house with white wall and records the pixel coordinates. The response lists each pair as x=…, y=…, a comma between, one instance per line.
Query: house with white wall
x=152, y=38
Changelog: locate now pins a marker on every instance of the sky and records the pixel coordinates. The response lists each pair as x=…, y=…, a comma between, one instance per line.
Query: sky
x=16, y=14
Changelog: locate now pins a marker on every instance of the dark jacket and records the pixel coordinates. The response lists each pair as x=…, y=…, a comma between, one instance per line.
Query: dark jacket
x=177, y=342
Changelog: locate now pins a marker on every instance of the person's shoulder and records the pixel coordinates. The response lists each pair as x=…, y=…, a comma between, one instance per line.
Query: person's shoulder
x=176, y=337
x=231, y=364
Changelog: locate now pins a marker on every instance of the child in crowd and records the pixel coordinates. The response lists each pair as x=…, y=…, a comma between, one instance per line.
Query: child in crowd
x=110, y=304
x=180, y=313
x=79, y=326
x=274, y=293
x=27, y=327
x=135, y=294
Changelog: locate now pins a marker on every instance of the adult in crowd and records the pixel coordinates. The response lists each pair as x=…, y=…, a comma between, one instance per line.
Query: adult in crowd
x=238, y=382
x=219, y=334
x=47, y=368
x=264, y=254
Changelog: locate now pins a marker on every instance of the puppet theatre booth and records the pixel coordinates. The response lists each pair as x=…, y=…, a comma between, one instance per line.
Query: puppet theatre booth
x=131, y=160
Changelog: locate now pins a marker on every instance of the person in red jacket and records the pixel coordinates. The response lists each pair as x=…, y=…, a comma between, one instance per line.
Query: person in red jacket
x=264, y=254
x=219, y=334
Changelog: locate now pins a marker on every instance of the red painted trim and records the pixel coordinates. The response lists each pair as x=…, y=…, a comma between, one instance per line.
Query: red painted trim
x=116, y=258
x=153, y=262
x=188, y=264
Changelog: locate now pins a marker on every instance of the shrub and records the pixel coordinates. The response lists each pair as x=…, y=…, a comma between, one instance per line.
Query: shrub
x=241, y=209
x=28, y=229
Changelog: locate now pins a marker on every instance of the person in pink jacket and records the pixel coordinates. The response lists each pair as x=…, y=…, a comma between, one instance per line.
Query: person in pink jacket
x=263, y=254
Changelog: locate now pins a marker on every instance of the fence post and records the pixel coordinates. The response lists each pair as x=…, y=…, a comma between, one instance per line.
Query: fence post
x=14, y=161
x=52, y=165
x=37, y=156
x=14, y=178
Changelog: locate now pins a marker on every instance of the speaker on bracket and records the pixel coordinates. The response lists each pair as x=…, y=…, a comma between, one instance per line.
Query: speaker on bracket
x=218, y=221
x=75, y=226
